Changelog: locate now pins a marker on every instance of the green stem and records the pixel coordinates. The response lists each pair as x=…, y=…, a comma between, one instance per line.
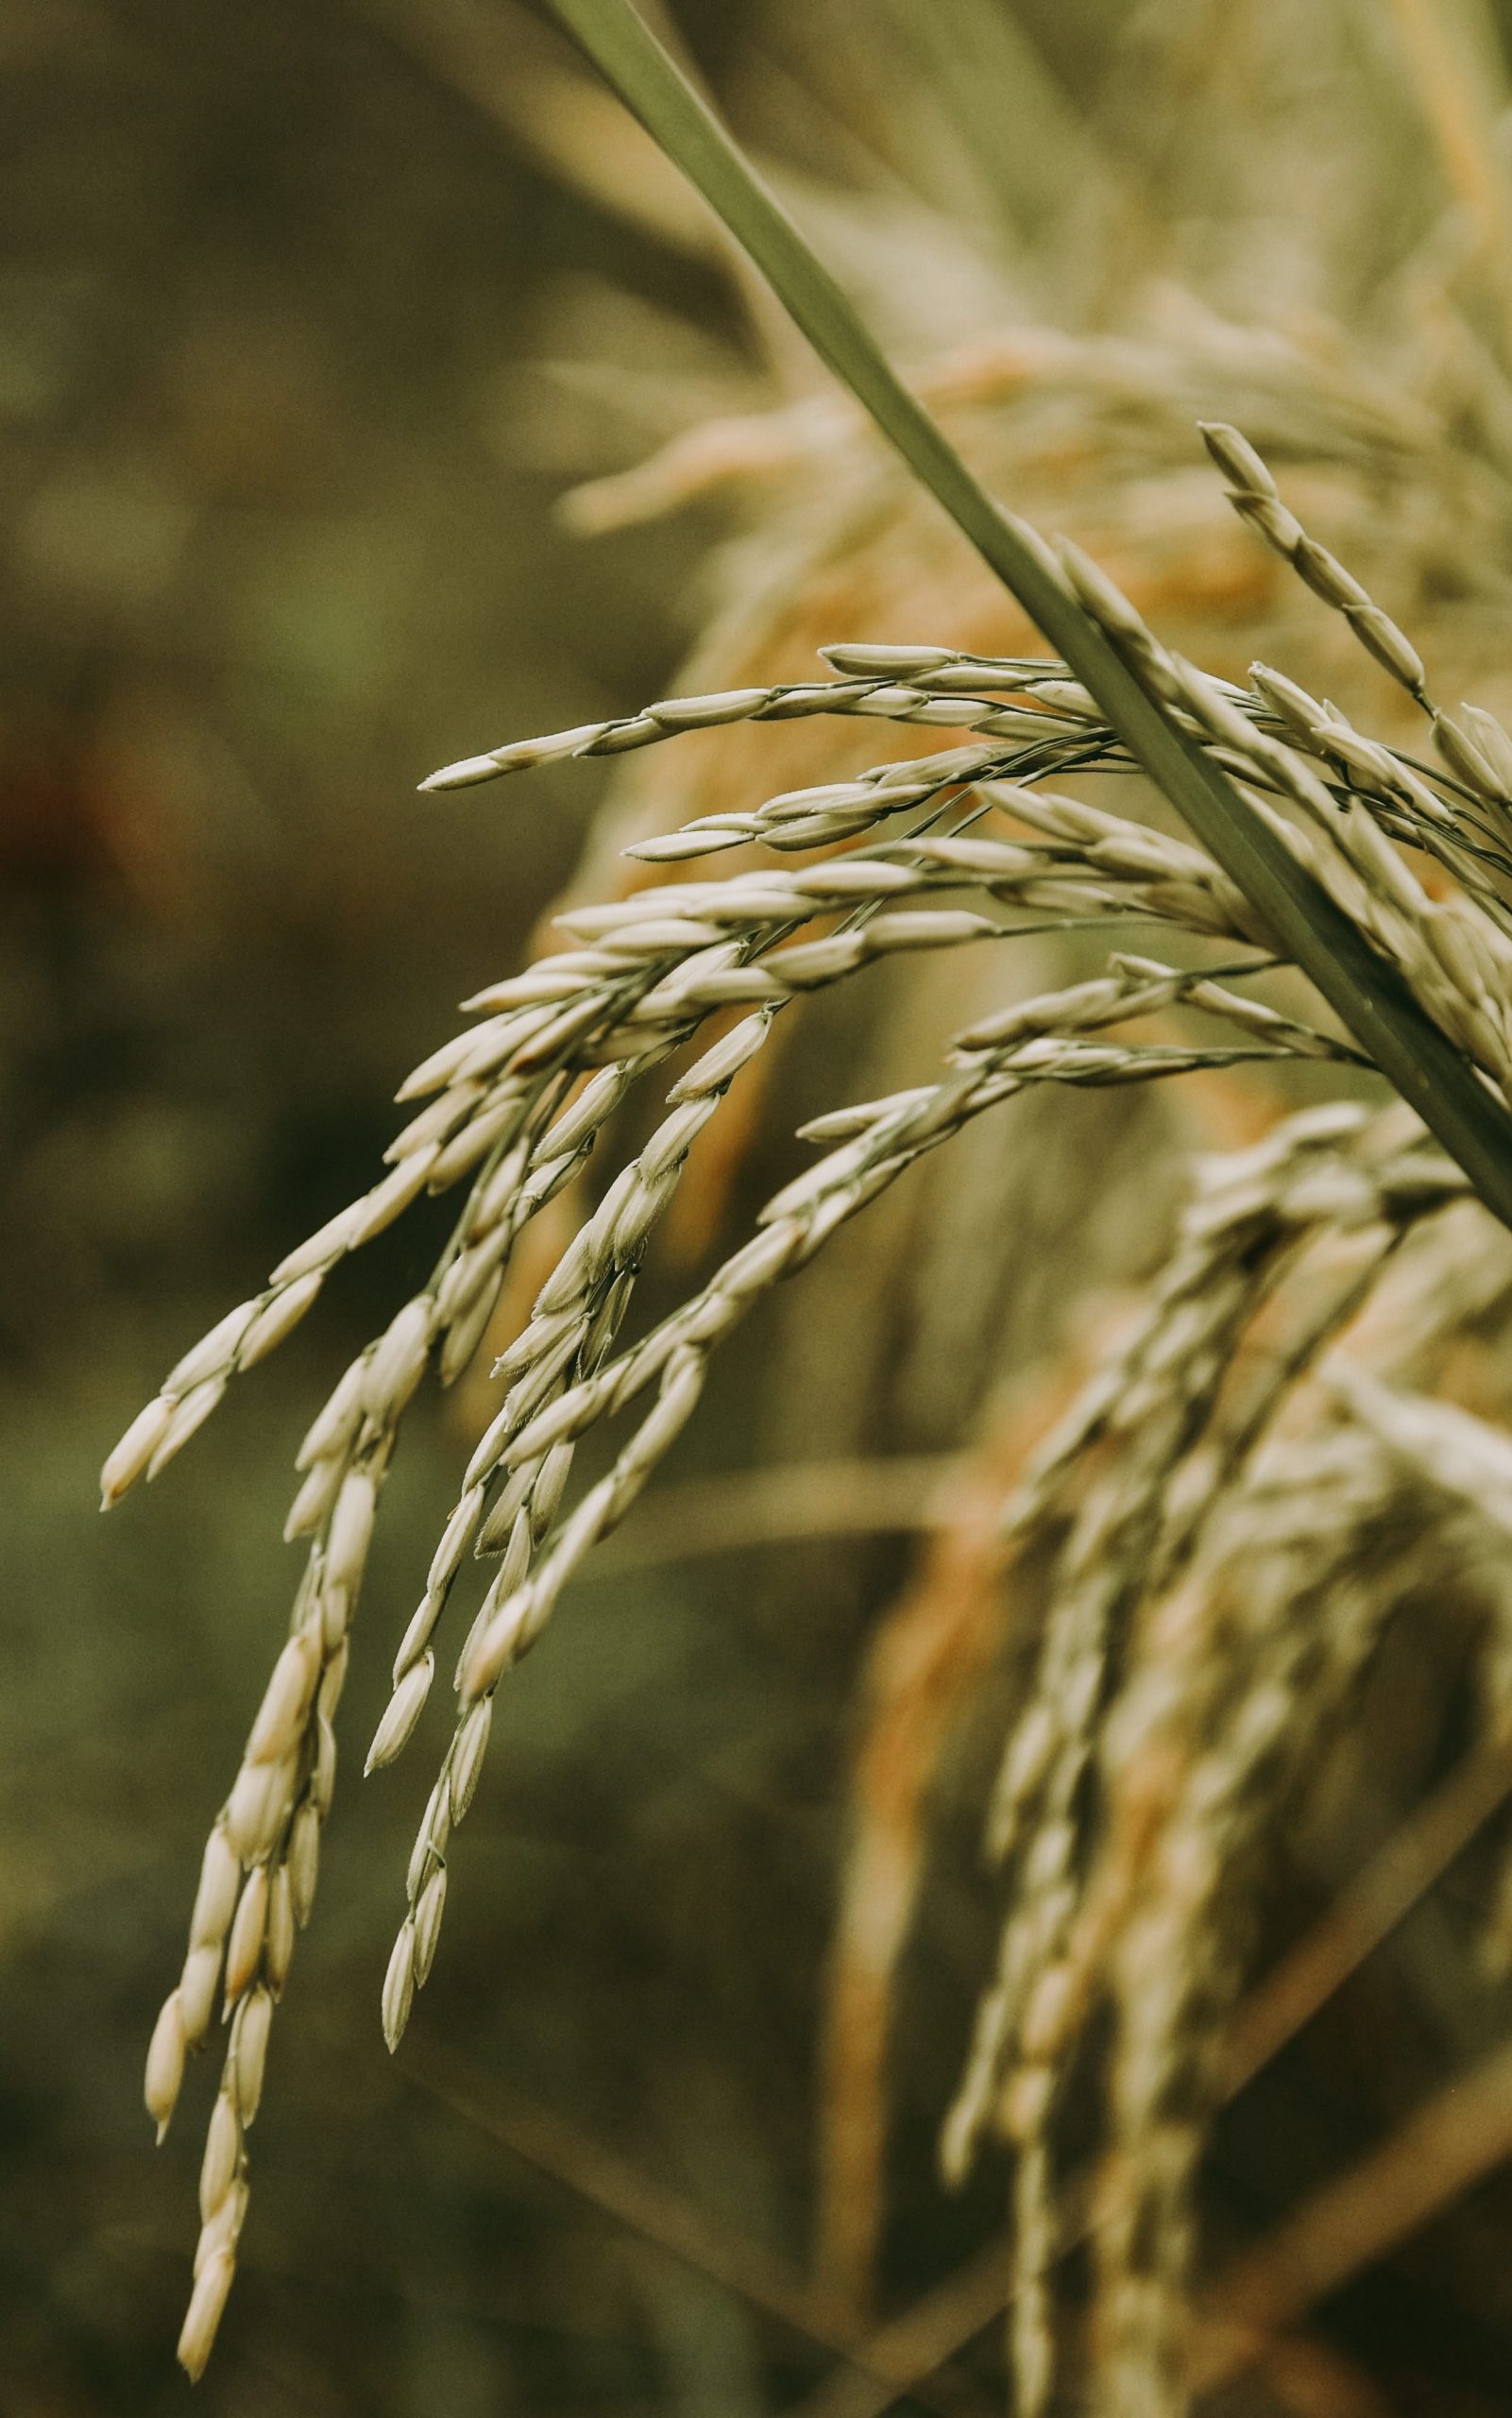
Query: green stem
x=1365, y=991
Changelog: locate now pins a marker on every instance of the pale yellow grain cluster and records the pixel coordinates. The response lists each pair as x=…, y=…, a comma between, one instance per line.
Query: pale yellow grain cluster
x=965, y=848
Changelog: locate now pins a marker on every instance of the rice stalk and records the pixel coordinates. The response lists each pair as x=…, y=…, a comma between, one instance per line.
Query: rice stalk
x=931, y=1648
x=514, y=1104
x=1153, y=1501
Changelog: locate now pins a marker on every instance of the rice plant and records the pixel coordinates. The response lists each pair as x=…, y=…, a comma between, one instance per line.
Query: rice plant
x=1254, y=1487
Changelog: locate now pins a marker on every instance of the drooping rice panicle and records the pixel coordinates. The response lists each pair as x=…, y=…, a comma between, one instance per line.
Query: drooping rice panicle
x=937, y=853
x=1110, y=1486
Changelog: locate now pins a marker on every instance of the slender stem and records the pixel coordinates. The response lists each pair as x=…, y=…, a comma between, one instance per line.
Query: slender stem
x=1365, y=990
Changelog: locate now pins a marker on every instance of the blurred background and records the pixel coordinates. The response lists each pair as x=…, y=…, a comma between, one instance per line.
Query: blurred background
x=370, y=395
